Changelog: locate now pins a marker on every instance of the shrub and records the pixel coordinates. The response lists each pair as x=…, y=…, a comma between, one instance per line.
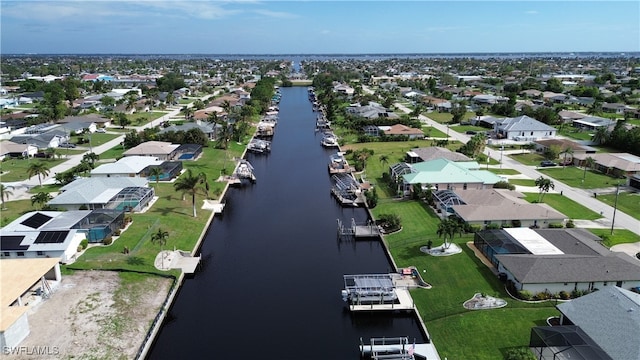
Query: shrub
x=107, y=240
x=84, y=243
x=570, y=224
x=525, y=294
x=521, y=353
x=564, y=295
x=474, y=228
x=80, y=248
x=556, y=225
x=117, y=232
x=504, y=185
x=492, y=226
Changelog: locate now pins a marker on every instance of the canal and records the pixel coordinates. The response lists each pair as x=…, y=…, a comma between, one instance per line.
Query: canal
x=270, y=283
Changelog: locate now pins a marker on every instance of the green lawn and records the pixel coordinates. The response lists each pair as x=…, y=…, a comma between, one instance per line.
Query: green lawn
x=523, y=182
x=16, y=169
x=504, y=171
x=620, y=236
x=628, y=203
x=456, y=332
x=98, y=139
x=445, y=117
x=464, y=128
x=528, y=158
x=575, y=133
x=142, y=118
x=13, y=209
x=430, y=131
x=573, y=176
x=565, y=205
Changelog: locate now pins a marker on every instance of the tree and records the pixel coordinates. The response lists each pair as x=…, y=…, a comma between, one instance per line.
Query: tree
x=5, y=193
x=384, y=159
x=448, y=228
x=91, y=158
x=41, y=199
x=123, y=120
x=458, y=111
x=192, y=185
x=567, y=151
x=160, y=237
x=155, y=172
x=38, y=168
x=589, y=162
x=552, y=152
x=601, y=135
x=544, y=185
x=554, y=85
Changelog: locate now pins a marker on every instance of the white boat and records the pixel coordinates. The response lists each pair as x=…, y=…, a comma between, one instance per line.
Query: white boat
x=329, y=140
x=245, y=170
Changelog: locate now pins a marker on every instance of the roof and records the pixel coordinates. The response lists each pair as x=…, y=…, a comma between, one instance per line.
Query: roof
x=399, y=129
x=443, y=171
x=594, y=121
x=621, y=161
x=523, y=123
x=434, y=152
x=541, y=269
x=95, y=190
x=152, y=148
x=491, y=204
x=7, y=147
x=16, y=277
x=565, y=143
x=611, y=317
x=128, y=165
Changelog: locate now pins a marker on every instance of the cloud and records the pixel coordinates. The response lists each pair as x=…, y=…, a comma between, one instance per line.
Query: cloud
x=275, y=14
x=325, y=32
x=532, y=12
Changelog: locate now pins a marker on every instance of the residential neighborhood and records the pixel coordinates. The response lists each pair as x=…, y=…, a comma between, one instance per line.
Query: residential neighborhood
x=527, y=167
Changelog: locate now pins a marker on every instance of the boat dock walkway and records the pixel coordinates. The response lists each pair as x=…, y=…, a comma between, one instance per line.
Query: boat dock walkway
x=397, y=349
x=368, y=230
x=404, y=302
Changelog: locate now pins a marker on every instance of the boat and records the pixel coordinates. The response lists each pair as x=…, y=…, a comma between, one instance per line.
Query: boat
x=259, y=146
x=245, y=171
x=329, y=140
x=338, y=164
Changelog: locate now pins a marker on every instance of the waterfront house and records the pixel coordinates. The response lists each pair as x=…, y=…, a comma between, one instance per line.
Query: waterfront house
x=402, y=130
x=555, y=260
x=104, y=193
x=159, y=149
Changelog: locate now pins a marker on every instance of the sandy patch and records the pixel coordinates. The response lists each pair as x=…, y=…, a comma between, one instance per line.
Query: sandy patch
x=95, y=315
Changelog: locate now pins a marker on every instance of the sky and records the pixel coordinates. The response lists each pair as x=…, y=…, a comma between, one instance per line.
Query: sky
x=317, y=27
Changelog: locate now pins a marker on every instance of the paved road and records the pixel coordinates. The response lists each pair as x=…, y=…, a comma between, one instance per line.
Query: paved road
x=581, y=196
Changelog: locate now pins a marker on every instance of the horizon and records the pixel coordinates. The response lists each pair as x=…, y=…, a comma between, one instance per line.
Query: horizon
x=207, y=27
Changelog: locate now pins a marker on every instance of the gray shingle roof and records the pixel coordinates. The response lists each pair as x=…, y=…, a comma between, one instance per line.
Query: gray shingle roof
x=611, y=317
x=523, y=123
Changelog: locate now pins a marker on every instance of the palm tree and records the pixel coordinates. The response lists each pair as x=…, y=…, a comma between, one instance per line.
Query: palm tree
x=384, y=159
x=41, y=199
x=160, y=238
x=567, y=151
x=91, y=158
x=155, y=172
x=589, y=162
x=448, y=228
x=193, y=185
x=544, y=185
x=38, y=168
x=601, y=135
x=5, y=193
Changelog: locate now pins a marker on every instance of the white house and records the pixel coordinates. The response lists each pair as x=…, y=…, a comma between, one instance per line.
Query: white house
x=523, y=128
x=128, y=166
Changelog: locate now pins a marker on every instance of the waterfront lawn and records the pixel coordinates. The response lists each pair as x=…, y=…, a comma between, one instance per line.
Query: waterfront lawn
x=573, y=176
x=458, y=333
x=169, y=213
x=628, y=203
x=504, y=171
x=620, y=236
x=533, y=159
x=565, y=205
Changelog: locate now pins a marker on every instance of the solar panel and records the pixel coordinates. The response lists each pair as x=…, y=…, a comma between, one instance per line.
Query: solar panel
x=12, y=243
x=36, y=220
x=51, y=237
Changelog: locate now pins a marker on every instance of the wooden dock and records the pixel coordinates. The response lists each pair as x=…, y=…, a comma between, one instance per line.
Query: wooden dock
x=369, y=230
x=405, y=302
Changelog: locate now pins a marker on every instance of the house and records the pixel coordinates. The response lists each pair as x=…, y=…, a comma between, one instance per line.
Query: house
x=623, y=165
x=523, y=128
x=78, y=127
x=592, y=123
x=209, y=129
x=555, y=260
x=495, y=206
x=50, y=139
x=615, y=108
x=371, y=111
x=9, y=149
x=604, y=324
x=569, y=116
x=159, y=149
x=104, y=193
x=442, y=105
x=128, y=166
x=487, y=99
x=562, y=145
x=21, y=280
x=434, y=152
x=447, y=174
x=402, y=130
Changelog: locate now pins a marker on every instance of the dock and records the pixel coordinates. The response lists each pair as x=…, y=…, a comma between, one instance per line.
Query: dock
x=377, y=292
x=368, y=230
x=397, y=348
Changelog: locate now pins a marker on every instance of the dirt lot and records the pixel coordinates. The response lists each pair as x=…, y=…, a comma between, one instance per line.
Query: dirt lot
x=95, y=315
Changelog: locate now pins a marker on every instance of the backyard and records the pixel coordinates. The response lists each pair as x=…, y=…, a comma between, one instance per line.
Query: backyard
x=563, y=204
x=573, y=176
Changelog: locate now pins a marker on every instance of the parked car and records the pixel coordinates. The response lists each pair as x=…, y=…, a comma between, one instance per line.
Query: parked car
x=547, y=163
x=101, y=130
x=67, y=145
x=470, y=132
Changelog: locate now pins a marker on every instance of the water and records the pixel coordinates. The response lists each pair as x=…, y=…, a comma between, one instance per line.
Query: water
x=273, y=266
